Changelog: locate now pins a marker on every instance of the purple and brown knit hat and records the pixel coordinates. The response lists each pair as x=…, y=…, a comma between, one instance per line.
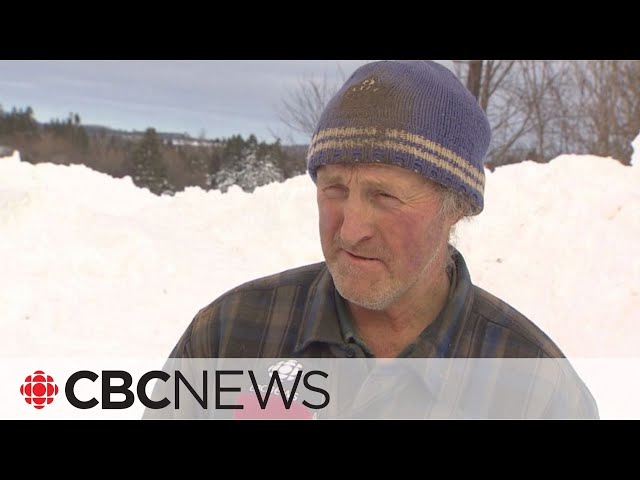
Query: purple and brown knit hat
x=414, y=114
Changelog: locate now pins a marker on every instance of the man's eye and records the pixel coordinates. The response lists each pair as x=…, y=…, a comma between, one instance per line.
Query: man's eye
x=387, y=196
x=387, y=200
x=333, y=190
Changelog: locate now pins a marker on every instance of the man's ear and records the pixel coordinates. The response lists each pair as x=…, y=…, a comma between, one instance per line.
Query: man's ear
x=454, y=218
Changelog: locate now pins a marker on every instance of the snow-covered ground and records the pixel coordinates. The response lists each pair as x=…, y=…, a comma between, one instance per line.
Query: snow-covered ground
x=92, y=266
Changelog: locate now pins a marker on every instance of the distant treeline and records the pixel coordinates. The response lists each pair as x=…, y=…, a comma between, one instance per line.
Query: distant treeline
x=163, y=163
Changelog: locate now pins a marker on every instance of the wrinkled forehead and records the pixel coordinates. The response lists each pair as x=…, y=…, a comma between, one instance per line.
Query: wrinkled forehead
x=390, y=175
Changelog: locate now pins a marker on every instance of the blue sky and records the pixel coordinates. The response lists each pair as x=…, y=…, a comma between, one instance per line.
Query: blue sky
x=217, y=98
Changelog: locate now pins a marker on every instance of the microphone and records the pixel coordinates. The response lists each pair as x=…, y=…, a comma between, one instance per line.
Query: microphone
x=274, y=410
x=278, y=400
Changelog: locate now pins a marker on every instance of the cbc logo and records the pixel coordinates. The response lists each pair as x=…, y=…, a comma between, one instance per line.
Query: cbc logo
x=39, y=389
x=287, y=369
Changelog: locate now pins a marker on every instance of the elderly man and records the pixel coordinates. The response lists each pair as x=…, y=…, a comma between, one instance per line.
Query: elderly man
x=397, y=158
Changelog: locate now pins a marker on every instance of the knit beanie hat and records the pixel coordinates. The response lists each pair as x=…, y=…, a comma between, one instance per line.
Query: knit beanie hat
x=414, y=114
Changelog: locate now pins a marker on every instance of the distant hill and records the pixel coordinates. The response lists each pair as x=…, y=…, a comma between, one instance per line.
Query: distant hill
x=177, y=138
x=166, y=137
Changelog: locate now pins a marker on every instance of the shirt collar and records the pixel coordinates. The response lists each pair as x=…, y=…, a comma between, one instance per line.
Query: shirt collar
x=440, y=338
x=319, y=319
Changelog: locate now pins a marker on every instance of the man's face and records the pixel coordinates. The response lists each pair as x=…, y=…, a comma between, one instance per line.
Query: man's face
x=381, y=231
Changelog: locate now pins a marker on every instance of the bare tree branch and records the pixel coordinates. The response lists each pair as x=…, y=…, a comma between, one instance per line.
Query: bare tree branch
x=301, y=109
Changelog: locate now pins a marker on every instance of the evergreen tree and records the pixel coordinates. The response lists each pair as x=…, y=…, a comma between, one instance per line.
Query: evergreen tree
x=248, y=164
x=149, y=170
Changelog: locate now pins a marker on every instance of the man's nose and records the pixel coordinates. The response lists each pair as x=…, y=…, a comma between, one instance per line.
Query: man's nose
x=357, y=221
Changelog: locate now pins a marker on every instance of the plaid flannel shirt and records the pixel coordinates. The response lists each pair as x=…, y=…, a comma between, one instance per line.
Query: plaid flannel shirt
x=295, y=314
